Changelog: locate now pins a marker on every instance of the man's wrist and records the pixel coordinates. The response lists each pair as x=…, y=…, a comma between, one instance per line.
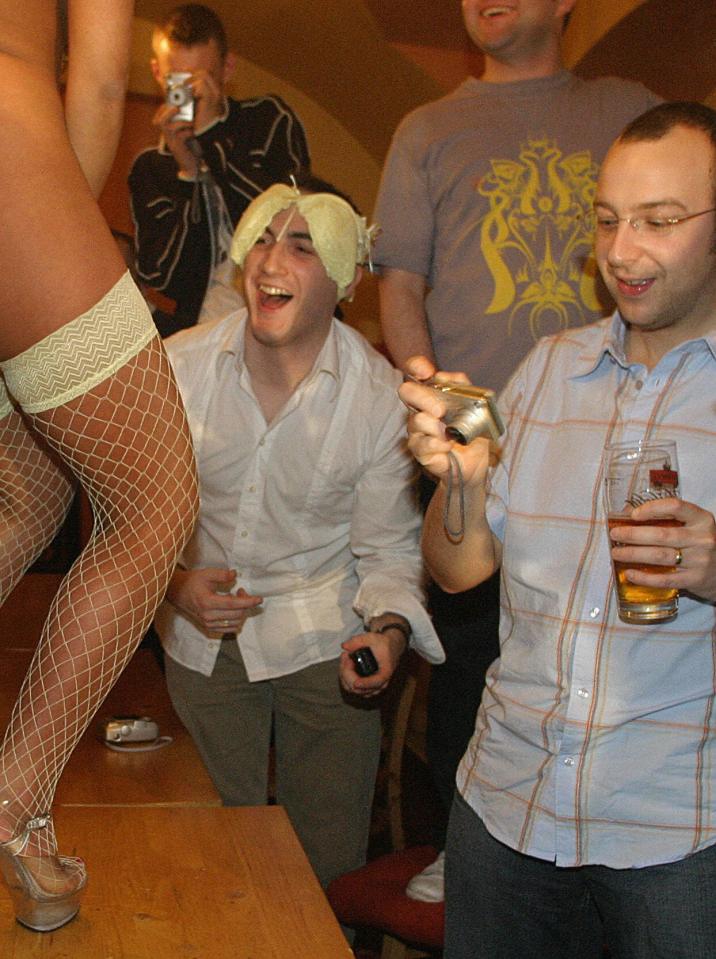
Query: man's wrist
x=178, y=578
x=400, y=625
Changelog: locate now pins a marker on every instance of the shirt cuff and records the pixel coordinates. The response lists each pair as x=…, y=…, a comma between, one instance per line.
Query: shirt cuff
x=372, y=602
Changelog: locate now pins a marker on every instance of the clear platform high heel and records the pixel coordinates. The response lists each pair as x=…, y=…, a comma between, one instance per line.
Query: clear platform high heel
x=45, y=890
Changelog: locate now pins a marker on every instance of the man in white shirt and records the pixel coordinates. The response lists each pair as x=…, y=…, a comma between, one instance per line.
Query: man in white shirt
x=306, y=547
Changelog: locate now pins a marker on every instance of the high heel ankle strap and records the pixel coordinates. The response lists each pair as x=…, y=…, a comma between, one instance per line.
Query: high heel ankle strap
x=17, y=844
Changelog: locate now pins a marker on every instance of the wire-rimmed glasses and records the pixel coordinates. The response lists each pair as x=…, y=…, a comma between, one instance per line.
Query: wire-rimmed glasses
x=606, y=224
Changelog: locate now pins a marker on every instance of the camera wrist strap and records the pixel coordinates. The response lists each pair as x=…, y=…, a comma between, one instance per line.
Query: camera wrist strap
x=454, y=477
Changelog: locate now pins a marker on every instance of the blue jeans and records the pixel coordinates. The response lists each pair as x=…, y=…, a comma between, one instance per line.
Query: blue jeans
x=501, y=904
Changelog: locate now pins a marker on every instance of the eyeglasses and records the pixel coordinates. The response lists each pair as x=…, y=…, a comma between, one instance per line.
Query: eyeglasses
x=606, y=225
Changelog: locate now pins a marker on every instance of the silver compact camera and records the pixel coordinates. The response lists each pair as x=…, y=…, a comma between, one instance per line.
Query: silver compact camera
x=471, y=411
x=129, y=729
x=180, y=94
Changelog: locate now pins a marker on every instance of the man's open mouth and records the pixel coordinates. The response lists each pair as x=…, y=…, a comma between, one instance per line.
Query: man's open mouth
x=273, y=295
x=633, y=287
x=495, y=11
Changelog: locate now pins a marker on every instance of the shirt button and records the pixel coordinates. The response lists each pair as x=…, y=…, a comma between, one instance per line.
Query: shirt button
x=262, y=441
x=594, y=612
x=252, y=488
x=584, y=693
x=244, y=533
x=569, y=761
x=638, y=385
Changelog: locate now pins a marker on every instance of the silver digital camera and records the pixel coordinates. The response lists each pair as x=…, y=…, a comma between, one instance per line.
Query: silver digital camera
x=180, y=94
x=471, y=411
x=129, y=729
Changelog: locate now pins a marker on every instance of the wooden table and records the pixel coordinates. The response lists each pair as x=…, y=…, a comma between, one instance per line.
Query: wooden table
x=173, y=875
x=186, y=883
x=174, y=775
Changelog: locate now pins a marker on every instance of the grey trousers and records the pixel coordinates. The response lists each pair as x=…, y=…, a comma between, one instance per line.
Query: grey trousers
x=326, y=749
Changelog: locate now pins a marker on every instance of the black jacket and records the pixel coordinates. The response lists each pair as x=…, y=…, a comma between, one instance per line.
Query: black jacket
x=259, y=142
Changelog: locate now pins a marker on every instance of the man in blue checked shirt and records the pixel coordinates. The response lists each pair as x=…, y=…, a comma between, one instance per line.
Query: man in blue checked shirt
x=586, y=803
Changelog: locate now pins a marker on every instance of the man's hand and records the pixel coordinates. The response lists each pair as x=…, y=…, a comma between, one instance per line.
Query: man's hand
x=694, y=544
x=203, y=595
x=208, y=101
x=175, y=136
x=387, y=648
x=427, y=439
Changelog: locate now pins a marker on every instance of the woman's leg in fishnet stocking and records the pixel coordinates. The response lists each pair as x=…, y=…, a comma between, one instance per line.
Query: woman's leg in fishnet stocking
x=127, y=441
x=35, y=493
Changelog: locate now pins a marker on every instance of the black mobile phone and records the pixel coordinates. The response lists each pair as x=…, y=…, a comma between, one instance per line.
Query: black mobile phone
x=365, y=662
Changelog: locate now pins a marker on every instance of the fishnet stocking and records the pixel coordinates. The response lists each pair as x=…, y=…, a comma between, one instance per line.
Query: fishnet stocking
x=127, y=441
x=35, y=494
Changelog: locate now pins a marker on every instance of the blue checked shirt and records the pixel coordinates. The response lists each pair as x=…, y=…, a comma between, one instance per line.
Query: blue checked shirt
x=596, y=740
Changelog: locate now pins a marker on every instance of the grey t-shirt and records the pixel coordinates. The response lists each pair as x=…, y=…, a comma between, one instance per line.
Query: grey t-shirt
x=484, y=194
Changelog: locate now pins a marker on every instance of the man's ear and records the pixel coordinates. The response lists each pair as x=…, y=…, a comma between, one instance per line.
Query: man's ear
x=350, y=290
x=229, y=66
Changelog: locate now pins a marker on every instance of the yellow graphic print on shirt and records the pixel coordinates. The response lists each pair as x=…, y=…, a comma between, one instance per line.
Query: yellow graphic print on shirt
x=535, y=237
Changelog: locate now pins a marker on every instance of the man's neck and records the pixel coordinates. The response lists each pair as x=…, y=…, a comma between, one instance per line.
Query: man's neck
x=545, y=63
x=649, y=347
x=277, y=372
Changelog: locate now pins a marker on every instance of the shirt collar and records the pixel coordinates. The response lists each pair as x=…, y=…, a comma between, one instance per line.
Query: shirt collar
x=328, y=360
x=219, y=119
x=611, y=346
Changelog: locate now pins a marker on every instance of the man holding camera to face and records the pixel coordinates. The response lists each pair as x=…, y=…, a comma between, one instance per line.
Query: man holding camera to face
x=215, y=154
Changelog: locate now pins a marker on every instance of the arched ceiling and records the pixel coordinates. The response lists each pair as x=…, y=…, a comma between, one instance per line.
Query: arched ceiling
x=346, y=54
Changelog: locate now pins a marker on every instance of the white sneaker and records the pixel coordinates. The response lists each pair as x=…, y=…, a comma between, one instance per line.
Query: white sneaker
x=429, y=885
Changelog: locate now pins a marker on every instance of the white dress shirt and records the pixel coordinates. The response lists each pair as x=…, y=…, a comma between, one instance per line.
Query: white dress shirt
x=315, y=511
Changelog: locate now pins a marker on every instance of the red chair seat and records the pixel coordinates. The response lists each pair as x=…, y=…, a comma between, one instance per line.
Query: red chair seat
x=374, y=896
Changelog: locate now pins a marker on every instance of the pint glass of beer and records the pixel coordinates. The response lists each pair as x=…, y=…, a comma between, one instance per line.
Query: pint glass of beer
x=635, y=473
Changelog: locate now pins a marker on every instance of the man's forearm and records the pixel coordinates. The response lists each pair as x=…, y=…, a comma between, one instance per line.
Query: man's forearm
x=402, y=316
x=457, y=563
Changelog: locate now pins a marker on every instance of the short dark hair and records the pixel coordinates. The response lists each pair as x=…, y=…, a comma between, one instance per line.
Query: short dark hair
x=192, y=23
x=308, y=182
x=662, y=119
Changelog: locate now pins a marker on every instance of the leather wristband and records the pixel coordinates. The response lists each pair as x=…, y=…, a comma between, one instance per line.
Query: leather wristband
x=401, y=627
